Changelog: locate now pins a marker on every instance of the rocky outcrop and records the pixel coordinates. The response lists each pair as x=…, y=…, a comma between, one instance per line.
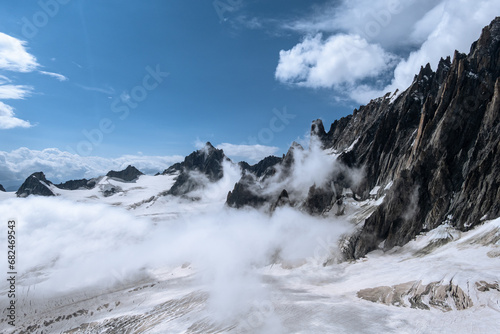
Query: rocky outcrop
x=35, y=184
x=129, y=174
x=245, y=193
x=175, y=168
x=2, y=188
x=433, y=149
x=438, y=141
x=444, y=296
x=77, y=184
x=319, y=200
x=197, y=168
x=264, y=168
x=283, y=200
x=248, y=191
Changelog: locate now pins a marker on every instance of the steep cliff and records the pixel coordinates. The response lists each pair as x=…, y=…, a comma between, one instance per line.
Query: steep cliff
x=438, y=142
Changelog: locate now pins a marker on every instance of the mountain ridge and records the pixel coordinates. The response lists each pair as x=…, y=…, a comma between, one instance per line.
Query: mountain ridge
x=439, y=138
x=431, y=151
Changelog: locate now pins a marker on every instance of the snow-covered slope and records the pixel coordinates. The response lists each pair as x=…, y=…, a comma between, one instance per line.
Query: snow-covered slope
x=136, y=261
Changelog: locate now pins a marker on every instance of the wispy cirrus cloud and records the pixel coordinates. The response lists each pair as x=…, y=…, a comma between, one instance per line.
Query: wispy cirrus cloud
x=15, y=58
x=15, y=92
x=13, y=55
x=58, y=76
x=4, y=80
x=8, y=120
x=105, y=90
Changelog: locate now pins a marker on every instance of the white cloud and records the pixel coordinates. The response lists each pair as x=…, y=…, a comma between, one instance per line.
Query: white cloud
x=252, y=153
x=8, y=91
x=58, y=76
x=4, y=80
x=420, y=32
x=13, y=55
x=15, y=92
x=7, y=119
x=386, y=22
x=60, y=166
x=460, y=25
x=340, y=59
x=15, y=58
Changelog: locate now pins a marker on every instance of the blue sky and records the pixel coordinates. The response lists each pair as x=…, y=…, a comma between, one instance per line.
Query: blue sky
x=235, y=67
x=220, y=87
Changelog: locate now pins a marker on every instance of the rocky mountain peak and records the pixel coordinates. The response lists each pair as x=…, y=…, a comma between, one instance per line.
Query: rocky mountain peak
x=437, y=142
x=433, y=149
x=2, y=188
x=35, y=184
x=129, y=174
x=206, y=161
x=485, y=49
x=77, y=184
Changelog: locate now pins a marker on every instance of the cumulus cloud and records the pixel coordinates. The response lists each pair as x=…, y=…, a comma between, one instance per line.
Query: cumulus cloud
x=338, y=60
x=457, y=24
x=60, y=166
x=252, y=153
x=419, y=32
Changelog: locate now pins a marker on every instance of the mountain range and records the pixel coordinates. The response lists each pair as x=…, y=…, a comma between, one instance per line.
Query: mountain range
x=414, y=173
x=435, y=144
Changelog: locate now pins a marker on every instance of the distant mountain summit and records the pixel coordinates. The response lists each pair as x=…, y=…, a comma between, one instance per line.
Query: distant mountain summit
x=2, y=188
x=77, y=184
x=35, y=184
x=129, y=174
x=206, y=163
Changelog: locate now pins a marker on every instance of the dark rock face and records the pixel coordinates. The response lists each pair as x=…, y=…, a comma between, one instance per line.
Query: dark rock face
x=2, y=188
x=77, y=184
x=129, y=174
x=247, y=191
x=266, y=167
x=245, y=194
x=206, y=162
x=283, y=200
x=35, y=184
x=439, y=141
x=319, y=200
x=175, y=168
